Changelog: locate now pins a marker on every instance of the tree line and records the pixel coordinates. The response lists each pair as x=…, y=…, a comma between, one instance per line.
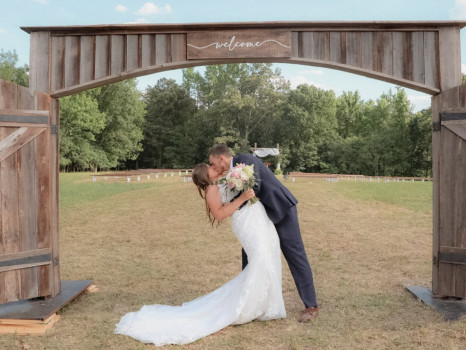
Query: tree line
x=172, y=125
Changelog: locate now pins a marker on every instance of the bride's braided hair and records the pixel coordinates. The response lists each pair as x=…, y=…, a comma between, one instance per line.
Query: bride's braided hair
x=202, y=181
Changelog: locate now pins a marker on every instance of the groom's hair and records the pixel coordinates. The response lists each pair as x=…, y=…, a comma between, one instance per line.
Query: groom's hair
x=219, y=149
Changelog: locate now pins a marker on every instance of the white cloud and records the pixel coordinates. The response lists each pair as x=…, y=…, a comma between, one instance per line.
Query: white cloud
x=43, y=2
x=420, y=101
x=459, y=11
x=121, y=8
x=463, y=68
x=149, y=8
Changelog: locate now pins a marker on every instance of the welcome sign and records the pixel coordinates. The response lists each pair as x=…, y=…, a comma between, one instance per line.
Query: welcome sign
x=238, y=44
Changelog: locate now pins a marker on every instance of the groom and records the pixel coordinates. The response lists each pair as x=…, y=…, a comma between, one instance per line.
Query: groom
x=280, y=206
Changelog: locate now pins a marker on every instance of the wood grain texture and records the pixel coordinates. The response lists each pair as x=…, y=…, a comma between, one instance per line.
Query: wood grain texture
x=58, y=63
x=132, y=52
x=24, y=191
x=17, y=140
x=449, y=58
x=87, y=58
x=39, y=61
x=449, y=205
x=102, y=56
x=72, y=64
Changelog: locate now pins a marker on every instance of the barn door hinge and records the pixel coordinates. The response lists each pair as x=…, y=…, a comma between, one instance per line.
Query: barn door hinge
x=56, y=261
x=435, y=261
x=436, y=126
x=54, y=129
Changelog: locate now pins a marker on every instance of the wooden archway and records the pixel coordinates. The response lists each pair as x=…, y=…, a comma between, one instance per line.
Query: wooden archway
x=423, y=56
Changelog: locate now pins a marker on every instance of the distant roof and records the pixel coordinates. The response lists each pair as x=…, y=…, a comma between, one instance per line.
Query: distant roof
x=161, y=27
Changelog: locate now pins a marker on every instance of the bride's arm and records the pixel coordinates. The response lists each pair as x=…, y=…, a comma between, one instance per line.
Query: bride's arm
x=221, y=211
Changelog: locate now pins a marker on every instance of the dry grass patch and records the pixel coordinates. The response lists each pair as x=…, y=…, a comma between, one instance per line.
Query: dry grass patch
x=152, y=244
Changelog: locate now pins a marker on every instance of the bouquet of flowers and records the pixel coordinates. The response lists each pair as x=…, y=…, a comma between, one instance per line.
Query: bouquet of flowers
x=241, y=178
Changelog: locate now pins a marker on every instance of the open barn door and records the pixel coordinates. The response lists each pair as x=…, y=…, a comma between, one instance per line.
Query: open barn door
x=29, y=202
x=449, y=168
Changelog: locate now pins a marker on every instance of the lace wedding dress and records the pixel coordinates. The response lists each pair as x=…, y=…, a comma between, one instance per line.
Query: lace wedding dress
x=256, y=293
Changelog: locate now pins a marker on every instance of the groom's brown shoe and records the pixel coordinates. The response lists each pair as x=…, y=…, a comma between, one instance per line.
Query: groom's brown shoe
x=309, y=314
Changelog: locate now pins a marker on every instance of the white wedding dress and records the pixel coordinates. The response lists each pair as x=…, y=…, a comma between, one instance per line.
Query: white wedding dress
x=256, y=293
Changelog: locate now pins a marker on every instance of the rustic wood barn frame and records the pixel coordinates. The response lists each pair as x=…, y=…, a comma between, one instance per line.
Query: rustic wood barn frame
x=424, y=56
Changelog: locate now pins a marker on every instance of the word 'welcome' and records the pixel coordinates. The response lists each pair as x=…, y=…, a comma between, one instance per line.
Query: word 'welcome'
x=242, y=44
x=233, y=44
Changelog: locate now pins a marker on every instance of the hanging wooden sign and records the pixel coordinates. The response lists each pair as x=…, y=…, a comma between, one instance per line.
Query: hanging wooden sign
x=238, y=44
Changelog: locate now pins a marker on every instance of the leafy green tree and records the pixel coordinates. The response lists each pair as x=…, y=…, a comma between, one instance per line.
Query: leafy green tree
x=420, y=144
x=350, y=109
x=241, y=102
x=121, y=138
x=168, y=134
x=9, y=70
x=80, y=123
x=308, y=126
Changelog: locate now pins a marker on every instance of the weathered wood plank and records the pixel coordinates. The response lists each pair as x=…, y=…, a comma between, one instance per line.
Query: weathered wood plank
x=307, y=44
x=118, y=54
x=8, y=95
x=457, y=128
x=44, y=200
x=24, y=116
x=431, y=58
x=102, y=56
x=58, y=63
x=449, y=57
x=384, y=52
x=448, y=196
x=294, y=44
x=27, y=189
x=436, y=108
x=53, y=105
x=148, y=50
x=72, y=55
x=321, y=45
x=367, y=50
x=162, y=49
x=25, y=99
x=24, y=256
x=10, y=219
x=132, y=52
x=353, y=49
x=178, y=47
x=397, y=54
x=408, y=56
x=418, y=57
x=336, y=54
x=16, y=140
x=87, y=59
x=39, y=61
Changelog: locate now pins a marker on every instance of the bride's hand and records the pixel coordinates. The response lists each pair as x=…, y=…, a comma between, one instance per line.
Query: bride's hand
x=247, y=195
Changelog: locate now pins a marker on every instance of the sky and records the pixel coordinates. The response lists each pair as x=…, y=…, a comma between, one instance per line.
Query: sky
x=17, y=13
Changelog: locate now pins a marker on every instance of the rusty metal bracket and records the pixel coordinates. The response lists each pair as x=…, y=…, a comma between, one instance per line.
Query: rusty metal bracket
x=54, y=129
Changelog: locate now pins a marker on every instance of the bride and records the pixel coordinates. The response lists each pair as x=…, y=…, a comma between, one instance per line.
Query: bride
x=256, y=293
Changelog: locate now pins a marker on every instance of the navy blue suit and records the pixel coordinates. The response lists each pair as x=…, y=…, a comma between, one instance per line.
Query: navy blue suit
x=280, y=206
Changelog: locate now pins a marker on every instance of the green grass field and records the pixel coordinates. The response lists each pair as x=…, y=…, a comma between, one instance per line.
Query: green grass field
x=149, y=242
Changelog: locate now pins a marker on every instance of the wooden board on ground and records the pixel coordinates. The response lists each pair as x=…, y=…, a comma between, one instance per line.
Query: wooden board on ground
x=42, y=309
x=14, y=326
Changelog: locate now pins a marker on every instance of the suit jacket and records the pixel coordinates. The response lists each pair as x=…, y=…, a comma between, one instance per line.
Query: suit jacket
x=275, y=197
